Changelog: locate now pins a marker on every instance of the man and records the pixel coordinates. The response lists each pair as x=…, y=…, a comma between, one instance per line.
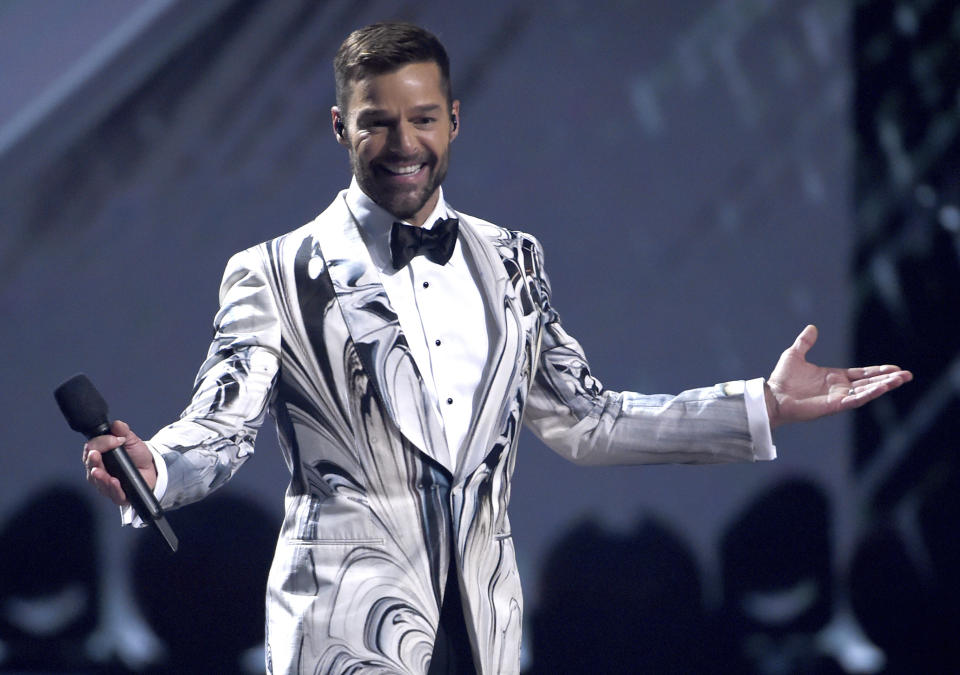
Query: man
x=399, y=361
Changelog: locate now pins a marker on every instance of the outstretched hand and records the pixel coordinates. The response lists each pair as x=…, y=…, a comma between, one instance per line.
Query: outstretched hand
x=798, y=390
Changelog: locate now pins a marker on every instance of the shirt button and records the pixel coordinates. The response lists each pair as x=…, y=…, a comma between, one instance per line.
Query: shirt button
x=449, y=401
x=437, y=342
x=426, y=284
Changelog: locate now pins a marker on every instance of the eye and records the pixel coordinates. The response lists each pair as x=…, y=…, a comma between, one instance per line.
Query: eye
x=424, y=121
x=373, y=124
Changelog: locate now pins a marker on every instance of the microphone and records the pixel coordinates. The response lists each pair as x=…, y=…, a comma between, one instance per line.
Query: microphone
x=86, y=412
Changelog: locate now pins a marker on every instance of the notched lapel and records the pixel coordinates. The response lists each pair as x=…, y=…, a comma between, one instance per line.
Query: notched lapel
x=375, y=330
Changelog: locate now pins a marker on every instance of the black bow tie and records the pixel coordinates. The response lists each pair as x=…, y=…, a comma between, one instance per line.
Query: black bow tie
x=437, y=243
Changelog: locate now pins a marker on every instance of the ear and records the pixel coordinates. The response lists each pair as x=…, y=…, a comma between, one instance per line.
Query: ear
x=455, y=119
x=339, y=127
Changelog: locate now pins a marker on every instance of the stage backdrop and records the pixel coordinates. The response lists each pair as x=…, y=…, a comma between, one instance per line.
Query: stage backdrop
x=687, y=167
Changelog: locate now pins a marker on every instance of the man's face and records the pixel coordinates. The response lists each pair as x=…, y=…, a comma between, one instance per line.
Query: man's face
x=398, y=130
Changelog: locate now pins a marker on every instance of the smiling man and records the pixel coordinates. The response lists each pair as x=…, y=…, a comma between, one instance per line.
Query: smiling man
x=400, y=345
x=397, y=127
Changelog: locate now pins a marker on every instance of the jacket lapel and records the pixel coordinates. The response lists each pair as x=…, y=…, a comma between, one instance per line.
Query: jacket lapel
x=373, y=325
x=504, y=363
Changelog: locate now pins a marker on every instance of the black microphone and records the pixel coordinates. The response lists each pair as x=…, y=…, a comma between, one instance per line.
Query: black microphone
x=86, y=412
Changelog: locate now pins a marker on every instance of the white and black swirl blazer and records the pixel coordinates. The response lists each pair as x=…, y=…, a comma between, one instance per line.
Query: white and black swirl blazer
x=375, y=507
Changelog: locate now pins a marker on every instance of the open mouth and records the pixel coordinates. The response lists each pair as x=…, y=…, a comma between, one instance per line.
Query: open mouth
x=403, y=170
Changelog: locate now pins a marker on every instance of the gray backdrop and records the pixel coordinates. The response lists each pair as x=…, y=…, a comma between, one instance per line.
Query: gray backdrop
x=687, y=167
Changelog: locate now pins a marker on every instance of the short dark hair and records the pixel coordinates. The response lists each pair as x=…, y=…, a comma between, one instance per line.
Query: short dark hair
x=383, y=48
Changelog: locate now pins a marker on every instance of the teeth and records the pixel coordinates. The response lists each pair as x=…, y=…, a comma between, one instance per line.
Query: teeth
x=402, y=170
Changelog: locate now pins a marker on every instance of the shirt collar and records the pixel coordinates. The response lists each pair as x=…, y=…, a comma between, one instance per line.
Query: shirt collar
x=375, y=222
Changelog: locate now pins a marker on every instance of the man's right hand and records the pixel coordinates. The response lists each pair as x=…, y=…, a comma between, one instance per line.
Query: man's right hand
x=139, y=454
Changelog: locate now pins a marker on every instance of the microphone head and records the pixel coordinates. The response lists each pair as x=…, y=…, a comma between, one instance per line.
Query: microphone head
x=83, y=406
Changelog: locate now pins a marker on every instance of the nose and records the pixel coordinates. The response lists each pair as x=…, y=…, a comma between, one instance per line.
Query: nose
x=403, y=139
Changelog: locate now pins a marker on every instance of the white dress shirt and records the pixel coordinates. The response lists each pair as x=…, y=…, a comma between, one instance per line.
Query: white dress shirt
x=441, y=314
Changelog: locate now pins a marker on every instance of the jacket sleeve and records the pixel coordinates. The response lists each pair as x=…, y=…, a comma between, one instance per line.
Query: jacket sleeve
x=232, y=391
x=571, y=412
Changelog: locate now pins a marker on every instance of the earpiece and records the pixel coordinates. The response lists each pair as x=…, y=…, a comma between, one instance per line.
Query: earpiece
x=453, y=120
x=338, y=126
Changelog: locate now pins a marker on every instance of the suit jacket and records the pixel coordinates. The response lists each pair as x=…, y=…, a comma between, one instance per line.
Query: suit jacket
x=375, y=505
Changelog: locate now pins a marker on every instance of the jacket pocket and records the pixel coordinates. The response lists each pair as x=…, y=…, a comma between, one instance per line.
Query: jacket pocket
x=336, y=541
x=318, y=567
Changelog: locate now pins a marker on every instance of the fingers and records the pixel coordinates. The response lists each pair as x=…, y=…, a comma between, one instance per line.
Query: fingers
x=871, y=371
x=97, y=474
x=120, y=434
x=102, y=444
x=806, y=339
x=865, y=390
x=896, y=377
x=104, y=483
x=119, y=428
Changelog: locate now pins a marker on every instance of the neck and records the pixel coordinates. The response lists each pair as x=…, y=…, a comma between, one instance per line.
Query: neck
x=420, y=217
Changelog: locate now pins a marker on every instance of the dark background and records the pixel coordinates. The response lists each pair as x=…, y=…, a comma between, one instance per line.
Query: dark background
x=706, y=178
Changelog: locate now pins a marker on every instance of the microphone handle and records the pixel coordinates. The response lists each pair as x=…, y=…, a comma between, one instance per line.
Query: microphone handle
x=120, y=466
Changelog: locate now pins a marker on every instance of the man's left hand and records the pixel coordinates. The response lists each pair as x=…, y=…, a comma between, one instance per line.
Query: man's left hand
x=798, y=390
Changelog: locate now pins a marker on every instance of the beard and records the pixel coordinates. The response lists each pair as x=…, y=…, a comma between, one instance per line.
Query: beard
x=403, y=201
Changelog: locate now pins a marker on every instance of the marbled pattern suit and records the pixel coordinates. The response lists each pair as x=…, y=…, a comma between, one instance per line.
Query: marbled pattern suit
x=375, y=505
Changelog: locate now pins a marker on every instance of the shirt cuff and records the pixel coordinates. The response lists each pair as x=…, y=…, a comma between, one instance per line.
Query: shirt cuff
x=758, y=421
x=128, y=516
